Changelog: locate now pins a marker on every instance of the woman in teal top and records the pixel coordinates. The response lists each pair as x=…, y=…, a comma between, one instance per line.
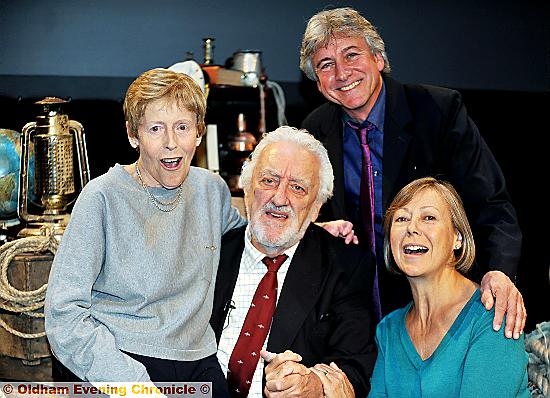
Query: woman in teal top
x=442, y=344
x=471, y=360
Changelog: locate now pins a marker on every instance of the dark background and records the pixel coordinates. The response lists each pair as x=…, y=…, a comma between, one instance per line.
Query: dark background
x=496, y=53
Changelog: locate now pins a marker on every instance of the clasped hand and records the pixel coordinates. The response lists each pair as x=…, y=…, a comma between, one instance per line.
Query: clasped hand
x=287, y=377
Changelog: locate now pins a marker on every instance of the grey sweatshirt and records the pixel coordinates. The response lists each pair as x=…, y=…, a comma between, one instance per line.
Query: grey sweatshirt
x=129, y=277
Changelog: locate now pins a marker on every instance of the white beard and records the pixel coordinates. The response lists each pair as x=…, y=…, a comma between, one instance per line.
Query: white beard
x=280, y=238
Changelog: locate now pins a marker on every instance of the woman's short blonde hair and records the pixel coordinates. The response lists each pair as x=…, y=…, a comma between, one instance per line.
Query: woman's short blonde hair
x=172, y=86
x=465, y=255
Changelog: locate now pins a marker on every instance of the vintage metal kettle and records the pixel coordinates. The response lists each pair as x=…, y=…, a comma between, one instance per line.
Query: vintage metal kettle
x=249, y=62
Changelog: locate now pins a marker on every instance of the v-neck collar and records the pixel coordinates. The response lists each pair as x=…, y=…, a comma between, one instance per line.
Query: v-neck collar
x=409, y=347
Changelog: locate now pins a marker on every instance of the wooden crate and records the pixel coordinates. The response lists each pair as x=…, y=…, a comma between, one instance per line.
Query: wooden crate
x=20, y=358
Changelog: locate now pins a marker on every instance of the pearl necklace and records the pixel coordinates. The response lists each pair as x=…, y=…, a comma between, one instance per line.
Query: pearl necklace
x=157, y=202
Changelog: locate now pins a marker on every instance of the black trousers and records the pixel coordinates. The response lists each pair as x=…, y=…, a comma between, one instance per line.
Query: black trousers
x=164, y=370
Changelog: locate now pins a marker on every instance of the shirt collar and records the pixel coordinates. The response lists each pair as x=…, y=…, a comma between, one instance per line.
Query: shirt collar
x=376, y=115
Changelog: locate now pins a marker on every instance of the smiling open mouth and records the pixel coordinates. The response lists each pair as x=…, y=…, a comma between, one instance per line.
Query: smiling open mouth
x=415, y=249
x=277, y=215
x=171, y=163
x=350, y=86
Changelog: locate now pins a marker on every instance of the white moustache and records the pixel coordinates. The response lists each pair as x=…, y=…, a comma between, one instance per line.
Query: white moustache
x=281, y=209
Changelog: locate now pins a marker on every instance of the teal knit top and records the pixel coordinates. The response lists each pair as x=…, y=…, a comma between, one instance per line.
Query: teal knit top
x=472, y=359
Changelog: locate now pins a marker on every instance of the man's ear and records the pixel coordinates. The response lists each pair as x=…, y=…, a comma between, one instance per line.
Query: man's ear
x=315, y=211
x=379, y=61
x=198, y=141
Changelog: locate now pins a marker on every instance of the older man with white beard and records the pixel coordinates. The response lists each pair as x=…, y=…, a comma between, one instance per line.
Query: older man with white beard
x=322, y=302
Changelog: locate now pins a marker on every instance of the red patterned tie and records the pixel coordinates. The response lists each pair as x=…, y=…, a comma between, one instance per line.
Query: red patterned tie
x=246, y=353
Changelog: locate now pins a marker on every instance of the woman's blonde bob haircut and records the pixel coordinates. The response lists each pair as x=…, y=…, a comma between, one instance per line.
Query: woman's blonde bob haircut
x=465, y=255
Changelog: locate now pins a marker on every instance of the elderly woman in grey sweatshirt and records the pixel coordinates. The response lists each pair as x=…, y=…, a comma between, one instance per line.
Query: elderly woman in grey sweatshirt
x=130, y=291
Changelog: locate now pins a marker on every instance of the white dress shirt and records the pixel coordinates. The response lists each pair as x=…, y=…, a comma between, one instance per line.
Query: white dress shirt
x=251, y=271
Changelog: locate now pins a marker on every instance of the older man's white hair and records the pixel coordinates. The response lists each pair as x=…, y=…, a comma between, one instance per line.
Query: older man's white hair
x=303, y=139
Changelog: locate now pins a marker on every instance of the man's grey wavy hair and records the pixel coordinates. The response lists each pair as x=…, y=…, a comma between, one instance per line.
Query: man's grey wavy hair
x=328, y=24
x=303, y=139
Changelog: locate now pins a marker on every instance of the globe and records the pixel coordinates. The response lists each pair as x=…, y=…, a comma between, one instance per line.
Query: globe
x=10, y=155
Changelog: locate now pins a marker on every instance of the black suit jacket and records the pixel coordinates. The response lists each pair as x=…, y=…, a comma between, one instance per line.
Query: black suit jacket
x=427, y=132
x=323, y=312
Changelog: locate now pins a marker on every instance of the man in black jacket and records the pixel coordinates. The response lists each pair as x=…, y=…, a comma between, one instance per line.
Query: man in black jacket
x=323, y=308
x=417, y=131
